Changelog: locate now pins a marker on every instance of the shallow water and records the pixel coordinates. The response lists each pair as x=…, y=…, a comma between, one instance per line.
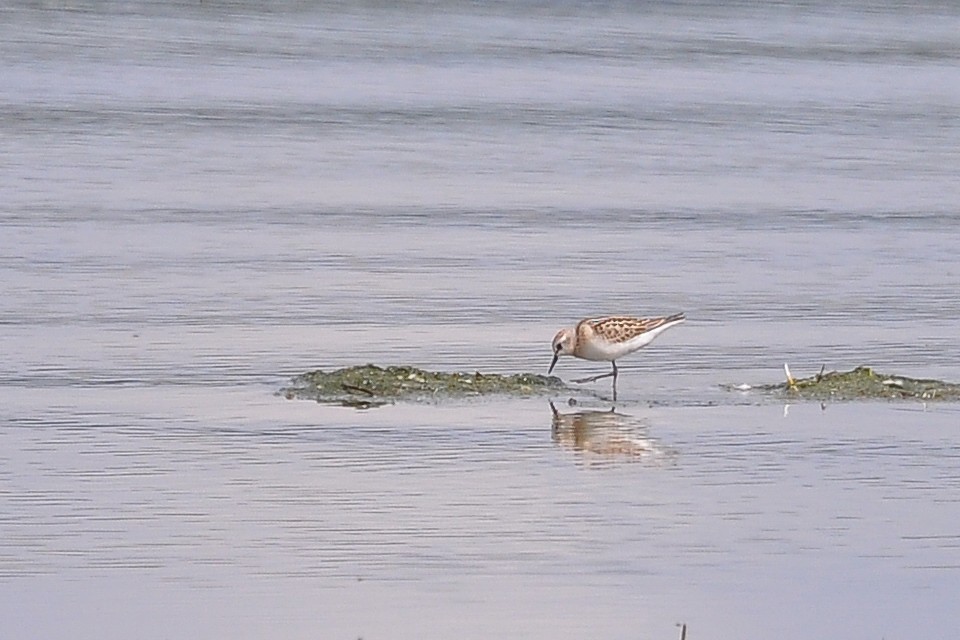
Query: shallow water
x=411, y=521
x=199, y=203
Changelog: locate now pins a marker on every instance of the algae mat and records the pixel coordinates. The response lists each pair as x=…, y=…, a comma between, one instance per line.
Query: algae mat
x=370, y=385
x=863, y=383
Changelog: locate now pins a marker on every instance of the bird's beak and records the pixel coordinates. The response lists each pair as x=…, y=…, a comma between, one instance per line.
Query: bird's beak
x=556, y=356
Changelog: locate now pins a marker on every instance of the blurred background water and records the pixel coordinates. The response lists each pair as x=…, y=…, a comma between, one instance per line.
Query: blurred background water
x=200, y=200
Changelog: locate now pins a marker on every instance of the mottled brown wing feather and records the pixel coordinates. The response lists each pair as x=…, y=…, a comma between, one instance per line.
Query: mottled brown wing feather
x=620, y=328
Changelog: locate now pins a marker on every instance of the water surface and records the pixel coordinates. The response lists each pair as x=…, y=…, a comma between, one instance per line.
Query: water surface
x=201, y=201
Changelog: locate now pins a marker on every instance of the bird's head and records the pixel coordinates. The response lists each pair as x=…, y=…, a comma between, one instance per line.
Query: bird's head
x=563, y=344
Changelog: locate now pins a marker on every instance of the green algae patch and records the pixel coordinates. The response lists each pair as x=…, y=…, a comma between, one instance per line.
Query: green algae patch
x=370, y=385
x=863, y=383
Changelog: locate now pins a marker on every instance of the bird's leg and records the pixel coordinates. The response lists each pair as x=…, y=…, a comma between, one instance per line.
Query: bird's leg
x=601, y=377
x=613, y=362
x=593, y=378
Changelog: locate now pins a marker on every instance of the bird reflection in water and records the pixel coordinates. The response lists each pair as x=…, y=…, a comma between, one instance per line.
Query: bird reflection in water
x=605, y=435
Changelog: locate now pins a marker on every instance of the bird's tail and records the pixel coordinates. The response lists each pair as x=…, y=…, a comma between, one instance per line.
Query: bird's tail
x=677, y=317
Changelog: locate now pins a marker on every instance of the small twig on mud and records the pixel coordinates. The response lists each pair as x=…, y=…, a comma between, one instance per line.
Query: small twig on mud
x=350, y=387
x=790, y=380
